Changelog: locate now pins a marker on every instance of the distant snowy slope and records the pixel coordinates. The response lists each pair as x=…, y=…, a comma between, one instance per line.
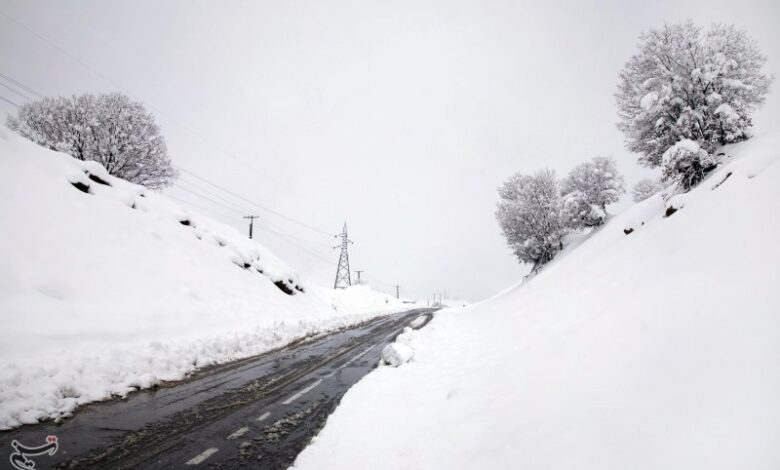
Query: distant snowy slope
x=106, y=287
x=659, y=349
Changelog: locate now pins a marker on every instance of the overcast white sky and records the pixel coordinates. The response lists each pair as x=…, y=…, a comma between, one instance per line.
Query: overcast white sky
x=400, y=117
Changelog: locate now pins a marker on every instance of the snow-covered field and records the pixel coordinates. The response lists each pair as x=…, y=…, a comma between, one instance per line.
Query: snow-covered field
x=659, y=349
x=107, y=292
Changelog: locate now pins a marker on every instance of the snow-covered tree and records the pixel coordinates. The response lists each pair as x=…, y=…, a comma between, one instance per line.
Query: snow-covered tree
x=110, y=129
x=530, y=216
x=686, y=163
x=645, y=188
x=688, y=83
x=589, y=188
x=577, y=212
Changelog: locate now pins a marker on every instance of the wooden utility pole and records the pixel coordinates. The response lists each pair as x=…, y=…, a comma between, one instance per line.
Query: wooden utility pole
x=251, y=222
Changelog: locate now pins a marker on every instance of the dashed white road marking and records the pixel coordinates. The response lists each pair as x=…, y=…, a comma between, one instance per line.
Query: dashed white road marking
x=202, y=456
x=302, y=392
x=346, y=364
x=263, y=416
x=358, y=356
x=239, y=432
x=353, y=359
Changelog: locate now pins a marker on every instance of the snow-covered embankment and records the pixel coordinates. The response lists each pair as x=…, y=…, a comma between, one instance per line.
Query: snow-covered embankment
x=106, y=287
x=659, y=348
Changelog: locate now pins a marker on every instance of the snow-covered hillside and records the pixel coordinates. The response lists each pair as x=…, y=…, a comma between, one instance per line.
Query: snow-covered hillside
x=106, y=287
x=656, y=349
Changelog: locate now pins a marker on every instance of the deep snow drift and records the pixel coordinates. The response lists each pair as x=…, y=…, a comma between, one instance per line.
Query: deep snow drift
x=658, y=349
x=108, y=291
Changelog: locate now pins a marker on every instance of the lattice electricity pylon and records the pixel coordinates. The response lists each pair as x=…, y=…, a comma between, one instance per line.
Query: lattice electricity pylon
x=343, y=279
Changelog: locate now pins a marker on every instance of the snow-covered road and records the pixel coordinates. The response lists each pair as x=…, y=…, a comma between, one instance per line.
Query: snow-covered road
x=255, y=413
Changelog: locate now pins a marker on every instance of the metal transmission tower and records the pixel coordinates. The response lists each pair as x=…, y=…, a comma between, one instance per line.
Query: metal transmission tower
x=343, y=279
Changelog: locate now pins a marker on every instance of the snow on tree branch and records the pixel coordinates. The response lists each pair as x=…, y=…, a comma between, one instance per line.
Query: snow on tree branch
x=688, y=83
x=109, y=129
x=537, y=211
x=589, y=188
x=644, y=189
x=529, y=213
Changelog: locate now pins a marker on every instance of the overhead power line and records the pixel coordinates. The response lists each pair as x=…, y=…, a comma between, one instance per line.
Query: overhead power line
x=16, y=91
x=241, y=210
x=198, y=135
x=286, y=237
x=182, y=188
x=237, y=207
x=270, y=227
x=107, y=79
x=305, y=271
x=8, y=101
x=302, y=248
x=205, y=209
x=271, y=211
x=20, y=85
x=55, y=46
x=281, y=236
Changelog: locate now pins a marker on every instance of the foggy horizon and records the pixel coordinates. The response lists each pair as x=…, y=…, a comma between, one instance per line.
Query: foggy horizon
x=400, y=121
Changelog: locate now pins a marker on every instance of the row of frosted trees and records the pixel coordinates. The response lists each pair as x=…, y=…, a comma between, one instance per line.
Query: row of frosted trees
x=686, y=93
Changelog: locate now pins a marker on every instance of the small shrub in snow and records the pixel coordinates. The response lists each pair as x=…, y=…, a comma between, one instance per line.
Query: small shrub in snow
x=109, y=129
x=687, y=83
x=644, y=189
x=686, y=163
x=588, y=189
x=530, y=215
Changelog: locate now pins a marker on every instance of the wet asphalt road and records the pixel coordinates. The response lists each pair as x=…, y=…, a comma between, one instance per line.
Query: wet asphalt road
x=256, y=413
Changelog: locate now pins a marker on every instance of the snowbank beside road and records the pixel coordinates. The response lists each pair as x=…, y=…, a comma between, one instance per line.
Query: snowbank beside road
x=454, y=303
x=106, y=287
x=395, y=354
x=653, y=349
